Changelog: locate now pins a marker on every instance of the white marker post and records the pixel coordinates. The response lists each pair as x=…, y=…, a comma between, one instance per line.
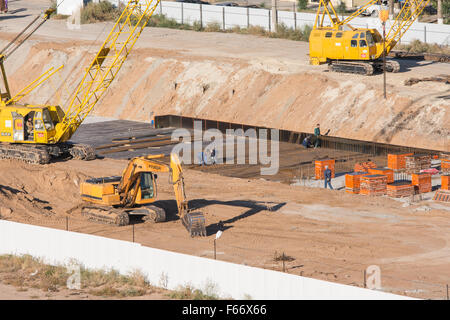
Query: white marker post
x=218, y=235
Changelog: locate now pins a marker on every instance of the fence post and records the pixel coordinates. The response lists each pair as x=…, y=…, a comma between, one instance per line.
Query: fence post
x=160, y=7
x=223, y=18
x=295, y=19
x=201, y=16
x=182, y=13
x=248, y=18
x=269, y=21
x=425, y=34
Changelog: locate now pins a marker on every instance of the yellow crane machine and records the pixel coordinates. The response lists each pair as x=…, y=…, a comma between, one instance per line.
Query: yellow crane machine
x=113, y=200
x=358, y=50
x=36, y=133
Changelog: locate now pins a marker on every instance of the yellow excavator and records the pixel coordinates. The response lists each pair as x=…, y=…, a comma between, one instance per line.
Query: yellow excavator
x=113, y=200
x=358, y=50
x=36, y=133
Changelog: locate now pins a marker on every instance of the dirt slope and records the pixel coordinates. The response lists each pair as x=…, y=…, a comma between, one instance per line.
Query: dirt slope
x=238, y=78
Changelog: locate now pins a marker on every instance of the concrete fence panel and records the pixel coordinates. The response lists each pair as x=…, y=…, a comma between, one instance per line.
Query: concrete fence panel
x=170, y=269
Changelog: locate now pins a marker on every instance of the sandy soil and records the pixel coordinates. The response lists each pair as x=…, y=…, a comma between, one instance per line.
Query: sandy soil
x=8, y=292
x=332, y=235
x=241, y=78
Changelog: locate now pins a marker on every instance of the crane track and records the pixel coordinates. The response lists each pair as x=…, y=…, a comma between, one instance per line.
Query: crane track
x=29, y=154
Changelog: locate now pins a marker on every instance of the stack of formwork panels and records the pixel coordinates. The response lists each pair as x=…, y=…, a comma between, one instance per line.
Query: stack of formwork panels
x=444, y=193
x=422, y=182
x=320, y=165
x=353, y=181
x=397, y=161
x=389, y=173
x=364, y=166
x=445, y=162
x=400, y=189
x=373, y=184
x=417, y=162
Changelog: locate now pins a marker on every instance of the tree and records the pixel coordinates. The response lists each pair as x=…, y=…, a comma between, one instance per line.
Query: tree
x=302, y=4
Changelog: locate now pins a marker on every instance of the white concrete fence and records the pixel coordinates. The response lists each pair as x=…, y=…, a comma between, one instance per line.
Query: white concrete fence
x=169, y=269
x=230, y=17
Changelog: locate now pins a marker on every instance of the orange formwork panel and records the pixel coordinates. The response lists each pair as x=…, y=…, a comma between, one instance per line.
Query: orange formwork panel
x=400, y=189
x=442, y=195
x=397, y=161
x=389, y=173
x=373, y=184
x=353, y=182
x=319, y=168
x=445, y=182
x=422, y=181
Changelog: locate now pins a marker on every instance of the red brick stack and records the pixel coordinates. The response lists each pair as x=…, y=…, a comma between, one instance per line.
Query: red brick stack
x=422, y=182
x=353, y=181
x=373, y=184
x=417, y=162
x=364, y=166
x=389, y=173
x=397, y=161
x=400, y=189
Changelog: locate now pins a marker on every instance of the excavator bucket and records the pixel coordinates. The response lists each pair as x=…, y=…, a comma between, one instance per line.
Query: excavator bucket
x=194, y=222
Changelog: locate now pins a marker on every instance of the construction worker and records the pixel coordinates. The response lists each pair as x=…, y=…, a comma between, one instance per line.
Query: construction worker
x=316, y=136
x=327, y=177
x=307, y=142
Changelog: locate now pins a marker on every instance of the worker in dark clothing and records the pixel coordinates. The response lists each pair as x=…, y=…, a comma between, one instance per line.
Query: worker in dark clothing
x=327, y=177
x=307, y=142
x=316, y=136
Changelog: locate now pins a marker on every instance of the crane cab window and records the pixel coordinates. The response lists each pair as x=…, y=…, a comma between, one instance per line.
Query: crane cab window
x=362, y=43
x=355, y=36
x=339, y=35
x=47, y=120
x=328, y=34
x=354, y=43
x=362, y=35
x=38, y=124
x=370, y=39
x=147, y=191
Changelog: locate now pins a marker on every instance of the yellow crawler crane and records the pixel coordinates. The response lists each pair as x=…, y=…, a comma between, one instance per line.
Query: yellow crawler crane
x=35, y=133
x=113, y=200
x=358, y=50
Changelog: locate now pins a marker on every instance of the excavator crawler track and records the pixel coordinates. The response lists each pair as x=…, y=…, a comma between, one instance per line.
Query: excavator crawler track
x=150, y=213
x=363, y=68
x=82, y=152
x=194, y=222
x=26, y=153
x=106, y=215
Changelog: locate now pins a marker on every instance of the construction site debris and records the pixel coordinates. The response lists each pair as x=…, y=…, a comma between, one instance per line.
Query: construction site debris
x=364, y=166
x=417, y=162
x=320, y=167
x=422, y=182
x=397, y=161
x=444, y=79
x=389, y=173
x=400, y=189
x=373, y=185
x=353, y=182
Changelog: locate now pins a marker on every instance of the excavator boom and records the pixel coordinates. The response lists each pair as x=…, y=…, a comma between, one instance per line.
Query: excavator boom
x=116, y=198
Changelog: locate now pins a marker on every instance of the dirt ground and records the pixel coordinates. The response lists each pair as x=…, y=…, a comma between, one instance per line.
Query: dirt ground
x=331, y=235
